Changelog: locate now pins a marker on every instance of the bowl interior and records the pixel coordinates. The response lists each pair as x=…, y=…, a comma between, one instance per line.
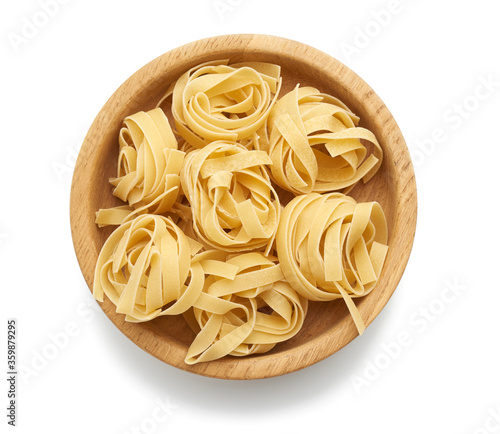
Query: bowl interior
x=328, y=326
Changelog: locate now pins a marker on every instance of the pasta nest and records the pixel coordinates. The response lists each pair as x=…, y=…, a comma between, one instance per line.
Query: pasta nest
x=216, y=101
x=148, y=168
x=245, y=308
x=234, y=206
x=315, y=145
x=145, y=265
x=330, y=247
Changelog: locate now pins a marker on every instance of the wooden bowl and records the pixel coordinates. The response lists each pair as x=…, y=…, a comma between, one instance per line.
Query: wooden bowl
x=328, y=326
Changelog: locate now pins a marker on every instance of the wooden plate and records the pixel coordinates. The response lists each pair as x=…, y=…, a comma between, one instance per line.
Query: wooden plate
x=328, y=326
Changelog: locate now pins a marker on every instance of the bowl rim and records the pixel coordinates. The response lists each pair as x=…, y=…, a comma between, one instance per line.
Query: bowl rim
x=403, y=228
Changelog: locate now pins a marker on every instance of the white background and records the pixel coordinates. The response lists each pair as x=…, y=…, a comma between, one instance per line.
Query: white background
x=428, y=62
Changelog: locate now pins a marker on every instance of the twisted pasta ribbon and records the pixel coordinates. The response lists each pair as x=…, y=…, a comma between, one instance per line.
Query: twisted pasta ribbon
x=315, y=145
x=329, y=247
x=233, y=204
x=245, y=307
x=216, y=101
x=148, y=168
x=144, y=265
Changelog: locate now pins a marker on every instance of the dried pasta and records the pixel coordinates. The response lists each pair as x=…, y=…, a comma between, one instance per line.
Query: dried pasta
x=234, y=207
x=146, y=264
x=215, y=101
x=148, y=168
x=315, y=145
x=331, y=247
x=203, y=234
x=245, y=308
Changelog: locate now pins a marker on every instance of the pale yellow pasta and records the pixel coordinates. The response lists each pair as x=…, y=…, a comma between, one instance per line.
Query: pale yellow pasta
x=234, y=207
x=202, y=216
x=148, y=168
x=315, y=145
x=331, y=247
x=146, y=264
x=245, y=308
x=215, y=101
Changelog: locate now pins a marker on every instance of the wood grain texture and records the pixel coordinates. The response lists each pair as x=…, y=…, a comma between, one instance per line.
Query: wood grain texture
x=328, y=326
